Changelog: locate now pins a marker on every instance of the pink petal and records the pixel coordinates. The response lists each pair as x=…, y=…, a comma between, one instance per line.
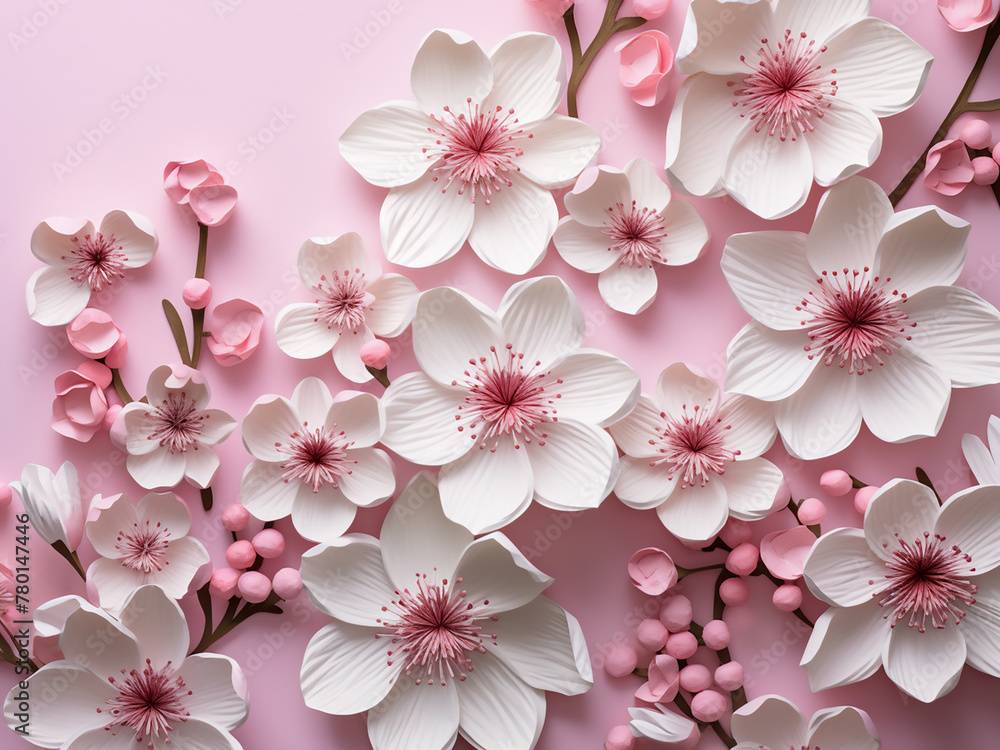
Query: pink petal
x=784, y=552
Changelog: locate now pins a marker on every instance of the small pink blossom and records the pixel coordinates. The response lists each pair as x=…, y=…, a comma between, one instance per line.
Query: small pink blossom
x=201, y=187
x=949, y=168
x=968, y=15
x=235, y=327
x=213, y=205
x=80, y=406
x=784, y=552
x=664, y=679
x=646, y=59
x=652, y=571
x=94, y=334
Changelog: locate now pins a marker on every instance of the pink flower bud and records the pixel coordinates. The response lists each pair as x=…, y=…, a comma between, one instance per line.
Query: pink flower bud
x=862, y=497
x=197, y=293
x=968, y=15
x=735, y=532
x=987, y=170
x=652, y=571
x=223, y=582
x=93, y=333
x=695, y=677
x=651, y=634
x=708, y=705
x=235, y=331
x=646, y=59
x=116, y=357
x=620, y=738
x=787, y=597
x=682, y=645
x=180, y=177
x=241, y=555
x=621, y=661
x=663, y=680
x=812, y=511
x=213, y=204
x=375, y=354
x=743, y=560
x=729, y=676
x=784, y=552
x=976, y=133
x=254, y=586
x=716, y=635
x=80, y=408
x=235, y=517
x=949, y=168
x=734, y=592
x=676, y=613
x=269, y=543
x=287, y=583
x=836, y=482
x=650, y=9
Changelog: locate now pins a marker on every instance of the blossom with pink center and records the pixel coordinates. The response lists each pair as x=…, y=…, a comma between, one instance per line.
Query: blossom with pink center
x=434, y=629
x=858, y=319
x=53, y=503
x=781, y=93
x=82, y=260
x=170, y=438
x=982, y=459
x=128, y=682
x=918, y=586
x=476, y=156
x=775, y=722
x=140, y=544
x=622, y=225
x=315, y=459
x=508, y=405
x=354, y=303
x=695, y=456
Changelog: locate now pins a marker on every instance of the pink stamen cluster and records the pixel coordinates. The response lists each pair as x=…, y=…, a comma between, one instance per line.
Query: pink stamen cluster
x=435, y=631
x=143, y=547
x=148, y=702
x=477, y=148
x=635, y=234
x=178, y=423
x=854, y=320
x=97, y=260
x=694, y=445
x=316, y=456
x=505, y=398
x=787, y=91
x=927, y=578
x=344, y=301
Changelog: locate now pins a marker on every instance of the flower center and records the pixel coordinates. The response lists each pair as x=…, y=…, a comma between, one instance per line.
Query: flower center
x=693, y=445
x=344, y=301
x=97, y=260
x=787, y=91
x=635, y=234
x=148, y=702
x=435, y=631
x=927, y=578
x=477, y=148
x=854, y=319
x=316, y=456
x=177, y=423
x=505, y=398
x=144, y=547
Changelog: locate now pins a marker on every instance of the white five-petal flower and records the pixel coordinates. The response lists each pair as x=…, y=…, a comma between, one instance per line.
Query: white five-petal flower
x=53, y=503
x=622, y=224
x=776, y=723
x=983, y=460
x=476, y=156
x=315, y=459
x=81, y=260
x=436, y=634
x=858, y=319
x=695, y=456
x=917, y=591
x=779, y=93
x=508, y=404
x=354, y=303
x=170, y=438
x=119, y=686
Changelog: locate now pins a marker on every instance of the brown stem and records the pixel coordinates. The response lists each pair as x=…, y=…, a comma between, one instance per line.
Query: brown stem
x=207, y=499
x=198, y=316
x=70, y=556
x=382, y=376
x=116, y=381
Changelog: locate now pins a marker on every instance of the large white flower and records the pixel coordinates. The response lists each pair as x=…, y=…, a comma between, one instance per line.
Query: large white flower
x=140, y=544
x=436, y=634
x=695, y=456
x=508, y=404
x=476, y=156
x=983, y=460
x=622, y=224
x=53, y=503
x=779, y=93
x=82, y=259
x=917, y=591
x=858, y=319
x=128, y=683
x=776, y=723
x=315, y=459
x=170, y=438
x=354, y=303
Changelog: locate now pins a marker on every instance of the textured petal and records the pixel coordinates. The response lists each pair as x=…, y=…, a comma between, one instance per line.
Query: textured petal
x=347, y=354
x=512, y=229
x=596, y=388
x=415, y=717
x=716, y=33
x=648, y=189
x=662, y=726
x=134, y=235
x=324, y=515
x=641, y=485
x=451, y=328
x=79, y=693
x=201, y=466
x=971, y=521
x=101, y=739
x=493, y=570
x=921, y=248
x=105, y=524
x=770, y=721
x=634, y=432
x=183, y=559
x=158, y=624
x=981, y=625
x=395, y=301
x=695, y=513
x=679, y=388
x=498, y=709
x=849, y=224
x=820, y=19
x=271, y=421
x=265, y=493
x=823, y=417
x=218, y=690
x=558, y=149
x=323, y=257
x=842, y=728
x=346, y=580
x=583, y=247
x=595, y=192
x=848, y=139
x=168, y=509
x=769, y=275
x=487, y=488
x=450, y=67
x=627, y=289
x=420, y=420
x=425, y=222
x=906, y=661
x=101, y=643
x=542, y=319
x=770, y=177
x=980, y=460
x=300, y=334
x=529, y=73
x=902, y=509
x=217, y=427
x=371, y=479
x=384, y=144
x=845, y=646
x=766, y=364
x=686, y=237
x=575, y=466
x=311, y=401
x=52, y=240
x=750, y=426
x=54, y=299
x=751, y=487
x=157, y=469
x=113, y=582
x=840, y=567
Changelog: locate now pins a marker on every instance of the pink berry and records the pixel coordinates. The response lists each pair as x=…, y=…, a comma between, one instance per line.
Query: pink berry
x=241, y=555
x=375, y=354
x=695, y=677
x=287, y=583
x=235, y=517
x=729, y=676
x=863, y=497
x=976, y=133
x=197, y=293
x=812, y=511
x=787, y=597
x=254, y=586
x=269, y=543
x=621, y=661
x=735, y=532
x=223, y=582
x=676, y=613
x=682, y=645
x=743, y=560
x=708, y=705
x=6, y=495
x=987, y=170
x=734, y=592
x=652, y=634
x=620, y=738
x=836, y=482
x=716, y=635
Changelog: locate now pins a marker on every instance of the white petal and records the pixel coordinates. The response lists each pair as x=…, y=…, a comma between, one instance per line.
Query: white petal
x=360, y=415
x=384, y=144
x=425, y=222
x=981, y=625
x=751, y=487
x=448, y=69
x=311, y=402
x=347, y=354
x=498, y=709
x=52, y=240
x=158, y=624
x=770, y=177
x=345, y=669
x=766, y=364
x=218, y=690
x=529, y=73
x=101, y=739
x=200, y=735
x=493, y=570
x=878, y=66
x=679, y=389
x=823, y=417
x=450, y=329
x=157, y=469
x=846, y=140
x=201, y=466
x=84, y=628
x=980, y=460
x=922, y=247
x=769, y=275
x=486, y=489
x=840, y=568
x=842, y=728
x=903, y=510
x=559, y=147
x=820, y=19
x=321, y=257
x=662, y=726
x=395, y=302
x=715, y=34
x=265, y=493
x=134, y=235
x=957, y=331
x=420, y=421
x=770, y=721
x=906, y=662
x=634, y=432
x=598, y=190
x=583, y=247
x=512, y=229
x=415, y=717
x=970, y=520
x=648, y=189
x=905, y=399
x=627, y=289
x=54, y=299
x=371, y=479
x=695, y=513
x=641, y=485
x=686, y=237
x=848, y=226
x=104, y=525
x=845, y=646
x=750, y=426
x=575, y=466
x=183, y=559
x=113, y=581
x=596, y=388
x=322, y=516
x=168, y=509
x=346, y=580
x=300, y=334
x=217, y=427
x=79, y=693
x=542, y=319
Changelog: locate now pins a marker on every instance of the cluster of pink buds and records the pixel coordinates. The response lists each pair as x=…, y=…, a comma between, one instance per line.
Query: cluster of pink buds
x=970, y=157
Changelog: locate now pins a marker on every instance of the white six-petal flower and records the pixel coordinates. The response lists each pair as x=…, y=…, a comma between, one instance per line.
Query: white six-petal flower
x=775, y=723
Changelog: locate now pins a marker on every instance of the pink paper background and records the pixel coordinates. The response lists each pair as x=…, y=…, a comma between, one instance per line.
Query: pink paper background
x=263, y=90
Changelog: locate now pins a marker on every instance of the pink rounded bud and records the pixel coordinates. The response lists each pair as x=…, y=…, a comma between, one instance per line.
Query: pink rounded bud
x=862, y=497
x=676, y=613
x=269, y=543
x=787, y=597
x=743, y=560
x=976, y=133
x=708, y=705
x=987, y=170
x=375, y=354
x=812, y=511
x=241, y=555
x=620, y=738
x=109, y=419
x=695, y=678
x=5, y=496
x=729, y=676
x=621, y=661
x=652, y=634
x=650, y=9
x=287, y=583
x=254, y=586
x=652, y=571
x=197, y=293
x=223, y=582
x=836, y=482
x=716, y=635
x=735, y=532
x=682, y=645
x=235, y=517
x=734, y=592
